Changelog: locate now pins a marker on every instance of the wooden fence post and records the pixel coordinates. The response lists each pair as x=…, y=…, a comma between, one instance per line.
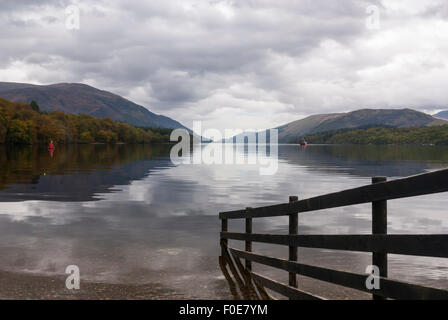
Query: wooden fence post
x=293, y=230
x=379, y=226
x=224, y=228
x=248, y=263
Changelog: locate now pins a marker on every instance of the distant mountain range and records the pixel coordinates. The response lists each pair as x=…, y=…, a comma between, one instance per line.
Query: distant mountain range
x=442, y=114
x=80, y=98
x=359, y=118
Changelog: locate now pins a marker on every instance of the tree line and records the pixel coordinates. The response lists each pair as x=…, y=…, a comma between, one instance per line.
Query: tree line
x=22, y=123
x=380, y=135
x=83, y=158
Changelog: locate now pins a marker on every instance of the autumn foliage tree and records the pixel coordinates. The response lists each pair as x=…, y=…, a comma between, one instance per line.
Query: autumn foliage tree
x=22, y=123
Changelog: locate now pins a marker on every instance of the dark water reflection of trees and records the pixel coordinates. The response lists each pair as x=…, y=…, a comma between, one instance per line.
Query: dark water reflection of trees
x=78, y=172
x=73, y=173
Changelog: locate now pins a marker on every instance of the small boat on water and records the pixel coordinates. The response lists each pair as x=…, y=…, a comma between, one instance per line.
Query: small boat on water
x=51, y=145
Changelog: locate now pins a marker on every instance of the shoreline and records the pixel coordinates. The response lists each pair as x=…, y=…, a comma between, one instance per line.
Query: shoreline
x=25, y=286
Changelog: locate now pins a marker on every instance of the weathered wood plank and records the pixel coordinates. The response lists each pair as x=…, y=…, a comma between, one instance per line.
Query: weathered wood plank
x=288, y=291
x=388, y=288
x=232, y=285
x=248, y=243
x=249, y=287
x=428, y=245
x=224, y=228
x=293, y=230
x=247, y=290
x=427, y=183
x=379, y=226
x=227, y=260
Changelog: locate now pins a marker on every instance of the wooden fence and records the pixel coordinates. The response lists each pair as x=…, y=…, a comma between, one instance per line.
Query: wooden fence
x=250, y=285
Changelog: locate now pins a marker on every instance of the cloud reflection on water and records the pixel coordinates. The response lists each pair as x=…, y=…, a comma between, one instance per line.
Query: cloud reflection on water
x=142, y=219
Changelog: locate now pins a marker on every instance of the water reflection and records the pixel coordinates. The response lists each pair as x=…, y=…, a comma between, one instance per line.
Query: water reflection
x=367, y=161
x=126, y=214
x=74, y=173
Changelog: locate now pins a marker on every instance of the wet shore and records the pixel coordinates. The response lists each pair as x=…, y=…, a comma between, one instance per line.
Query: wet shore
x=24, y=286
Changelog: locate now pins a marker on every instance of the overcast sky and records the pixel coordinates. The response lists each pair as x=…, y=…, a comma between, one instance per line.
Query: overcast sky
x=236, y=64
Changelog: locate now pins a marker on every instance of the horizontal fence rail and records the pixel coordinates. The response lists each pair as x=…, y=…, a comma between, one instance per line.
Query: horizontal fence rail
x=389, y=288
x=414, y=245
x=379, y=243
x=423, y=184
x=284, y=289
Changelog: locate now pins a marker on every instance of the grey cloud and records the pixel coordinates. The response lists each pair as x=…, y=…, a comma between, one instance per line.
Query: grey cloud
x=171, y=56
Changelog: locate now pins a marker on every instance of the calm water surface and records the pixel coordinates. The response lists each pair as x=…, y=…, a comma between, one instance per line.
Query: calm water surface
x=126, y=214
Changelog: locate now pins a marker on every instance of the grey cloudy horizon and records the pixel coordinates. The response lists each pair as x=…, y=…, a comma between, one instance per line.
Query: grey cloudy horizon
x=236, y=64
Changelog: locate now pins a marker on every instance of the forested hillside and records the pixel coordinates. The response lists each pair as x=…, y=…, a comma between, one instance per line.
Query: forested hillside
x=78, y=98
x=354, y=119
x=437, y=135
x=22, y=123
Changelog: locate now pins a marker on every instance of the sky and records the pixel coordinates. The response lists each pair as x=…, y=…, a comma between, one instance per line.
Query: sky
x=235, y=64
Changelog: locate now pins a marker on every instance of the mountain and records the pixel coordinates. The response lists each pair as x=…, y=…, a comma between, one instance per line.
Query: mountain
x=80, y=98
x=442, y=114
x=359, y=118
x=381, y=135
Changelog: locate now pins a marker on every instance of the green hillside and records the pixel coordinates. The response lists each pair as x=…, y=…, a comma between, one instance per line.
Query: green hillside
x=78, y=98
x=364, y=117
x=436, y=135
x=22, y=123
